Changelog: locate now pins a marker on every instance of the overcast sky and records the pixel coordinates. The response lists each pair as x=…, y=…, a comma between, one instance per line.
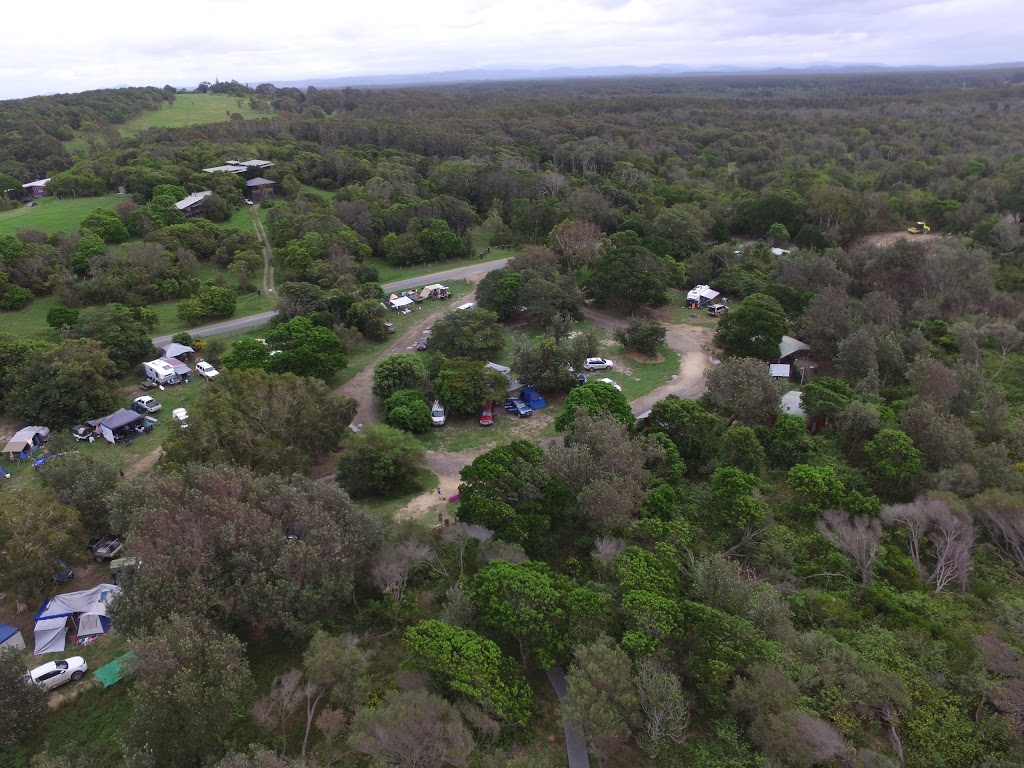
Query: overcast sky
x=70, y=45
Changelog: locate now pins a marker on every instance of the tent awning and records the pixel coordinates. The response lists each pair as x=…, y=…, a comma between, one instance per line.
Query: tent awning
x=401, y=301
x=120, y=418
x=50, y=635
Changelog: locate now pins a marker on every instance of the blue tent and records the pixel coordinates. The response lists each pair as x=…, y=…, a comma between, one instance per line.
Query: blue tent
x=533, y=399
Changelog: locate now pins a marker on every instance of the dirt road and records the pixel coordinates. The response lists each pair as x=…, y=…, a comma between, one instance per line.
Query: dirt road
x=268, y=253
x=691, y=342
x=360, y=386
x=888, y=238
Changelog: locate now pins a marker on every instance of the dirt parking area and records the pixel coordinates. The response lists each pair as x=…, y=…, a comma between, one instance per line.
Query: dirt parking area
x=888, y=238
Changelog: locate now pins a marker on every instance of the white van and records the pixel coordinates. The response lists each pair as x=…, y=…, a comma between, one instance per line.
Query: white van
x=469, y=305
x=438, y=415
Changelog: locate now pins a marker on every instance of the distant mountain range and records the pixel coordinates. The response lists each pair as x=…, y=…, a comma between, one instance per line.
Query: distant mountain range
x=569, y=73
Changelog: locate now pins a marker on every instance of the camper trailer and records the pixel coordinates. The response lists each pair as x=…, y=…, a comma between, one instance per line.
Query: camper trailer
x=160, y=371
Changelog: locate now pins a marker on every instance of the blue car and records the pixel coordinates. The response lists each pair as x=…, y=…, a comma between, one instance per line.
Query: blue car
x=63, y=572
x=517, y=406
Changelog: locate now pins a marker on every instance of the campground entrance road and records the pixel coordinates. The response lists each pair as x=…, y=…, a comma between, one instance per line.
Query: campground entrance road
x=241, y=323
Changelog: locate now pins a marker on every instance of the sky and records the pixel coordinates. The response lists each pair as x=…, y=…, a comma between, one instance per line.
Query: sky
x=69, y=45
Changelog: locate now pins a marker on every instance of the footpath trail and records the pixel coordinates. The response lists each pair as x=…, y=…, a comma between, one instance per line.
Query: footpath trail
x=268, y=253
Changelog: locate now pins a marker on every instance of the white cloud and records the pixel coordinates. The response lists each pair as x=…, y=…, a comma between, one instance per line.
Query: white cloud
x=80, y=45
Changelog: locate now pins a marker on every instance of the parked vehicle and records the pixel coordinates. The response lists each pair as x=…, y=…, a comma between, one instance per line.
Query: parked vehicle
x=83, y=433
x=467, y=305
x=145, y=404
x=518, y=407
x=390, y=327
x=487, y=415
x=105, y=549
x=421, y=344
x=62, y=572
x=206, y=370
x=55, y=673
x=597, y=364
x=438, y=414
x=611, y=383
x=715, y=310
x=180, y=415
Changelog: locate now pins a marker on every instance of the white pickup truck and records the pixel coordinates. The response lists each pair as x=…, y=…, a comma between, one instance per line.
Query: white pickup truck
x=206, y=370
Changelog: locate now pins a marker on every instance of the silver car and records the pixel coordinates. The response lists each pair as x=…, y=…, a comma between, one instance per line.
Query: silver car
x=55, y=673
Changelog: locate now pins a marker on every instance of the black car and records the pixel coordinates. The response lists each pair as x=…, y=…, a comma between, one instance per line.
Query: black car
x=83, y=432
x=62, y=572
x=421, y=344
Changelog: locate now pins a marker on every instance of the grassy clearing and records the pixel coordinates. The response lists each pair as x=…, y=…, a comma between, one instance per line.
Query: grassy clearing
x=51, y=215
x=191, y=109
x=241, y=219
x=639, y=378
x=318, y=192
x=385, y=509
x=30, y=322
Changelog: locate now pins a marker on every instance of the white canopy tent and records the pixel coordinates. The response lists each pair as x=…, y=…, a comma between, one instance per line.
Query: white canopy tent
x=400, y=301
x=91, y=607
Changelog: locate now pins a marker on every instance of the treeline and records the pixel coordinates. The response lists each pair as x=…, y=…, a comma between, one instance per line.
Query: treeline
x=32, y=130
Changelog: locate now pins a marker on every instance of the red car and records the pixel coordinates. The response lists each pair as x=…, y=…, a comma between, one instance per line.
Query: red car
x=487, y=415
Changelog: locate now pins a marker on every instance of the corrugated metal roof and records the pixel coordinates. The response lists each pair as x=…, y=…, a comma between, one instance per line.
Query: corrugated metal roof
x=192, y=199
x=789, y=346
x=259, y=181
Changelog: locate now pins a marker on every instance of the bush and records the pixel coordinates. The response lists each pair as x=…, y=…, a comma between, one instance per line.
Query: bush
x=382, y=461
x=645, y=336
x=407, y=409
x=211, y=303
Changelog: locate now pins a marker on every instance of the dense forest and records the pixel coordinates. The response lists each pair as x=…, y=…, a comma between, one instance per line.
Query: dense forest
x=725, y=581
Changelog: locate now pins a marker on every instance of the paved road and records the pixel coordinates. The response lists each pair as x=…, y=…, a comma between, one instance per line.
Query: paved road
x=575, y=747
x=241, y=323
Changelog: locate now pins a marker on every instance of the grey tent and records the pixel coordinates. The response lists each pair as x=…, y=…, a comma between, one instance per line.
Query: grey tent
x=177, y=350
x=91, y=607
x=10, y=637
x=110, y=425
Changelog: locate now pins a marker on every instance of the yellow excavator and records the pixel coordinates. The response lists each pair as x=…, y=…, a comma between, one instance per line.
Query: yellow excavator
x=919, y=229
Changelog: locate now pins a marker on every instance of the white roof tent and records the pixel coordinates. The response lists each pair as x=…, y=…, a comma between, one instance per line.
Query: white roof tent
x=701, y=294
x=400, y=301
x=779, y=370
x=174, y=349
x=26, y=439
x=193, y=199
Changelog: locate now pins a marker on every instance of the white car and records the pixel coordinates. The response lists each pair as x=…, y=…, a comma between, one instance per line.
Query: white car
x=598, y=364
x=438, y=414
x=206, y=370
x=55, y=673
x=180, y=414
x=612, y=383
x=146, y=404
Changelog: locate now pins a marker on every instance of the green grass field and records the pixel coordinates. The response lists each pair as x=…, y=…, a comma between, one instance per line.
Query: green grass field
x=318, y=192
x=191, y=109
x=51, y=215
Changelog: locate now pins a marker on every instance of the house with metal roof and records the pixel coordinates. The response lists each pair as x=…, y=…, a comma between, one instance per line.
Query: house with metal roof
x=790, y=347
x=259, y=189
x=193, y=204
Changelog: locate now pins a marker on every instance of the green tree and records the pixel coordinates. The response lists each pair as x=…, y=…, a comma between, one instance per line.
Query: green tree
x=753, y=329
x=815, y=489
x=733, y=504
x=476, y=334
x=14, y=351
x=246, y=354
x=778, y=234
x=84, y=483
x=24, y=704
x=210, y=303
x=123, y=332
x=595, y=397
x=407, y=409
x=59, y=317
x=105, y=224
x=628, y=276
x=464, y=385
x=539, y=608
x=401, y=371
x=653, y=620
x=33, y=532
x=264, y=421
x=190, y=682
x=601, y=700
x=381, y=461
x=305, y=349
x=61, y=386
x=742, y=449
x=412, y=729
x=645, y=336
x=694, y=431
x=744, y=389
x=894, y=463
x=463, y=662
x=498, y=292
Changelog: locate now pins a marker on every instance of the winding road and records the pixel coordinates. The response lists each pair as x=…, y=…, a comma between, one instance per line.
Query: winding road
x=241, y=323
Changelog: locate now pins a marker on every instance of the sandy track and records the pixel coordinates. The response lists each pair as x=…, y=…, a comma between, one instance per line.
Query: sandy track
x=360, y=386
x=889, y=238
